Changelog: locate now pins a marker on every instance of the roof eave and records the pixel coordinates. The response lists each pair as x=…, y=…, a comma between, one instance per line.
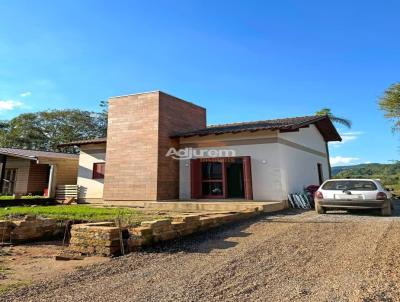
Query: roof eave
x=328, y=130
x=185, y=135
x=81, y=143
x=323, y=124
x=18, y=156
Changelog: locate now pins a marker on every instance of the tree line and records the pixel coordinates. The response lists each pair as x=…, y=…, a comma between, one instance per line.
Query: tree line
x=389, y=174
x=44, y=130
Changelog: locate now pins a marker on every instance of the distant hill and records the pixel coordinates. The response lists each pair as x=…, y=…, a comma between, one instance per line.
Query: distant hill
x=388, y=173
x=336, y=170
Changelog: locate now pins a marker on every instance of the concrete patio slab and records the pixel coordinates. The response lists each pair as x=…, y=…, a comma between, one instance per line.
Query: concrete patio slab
x=206, y=205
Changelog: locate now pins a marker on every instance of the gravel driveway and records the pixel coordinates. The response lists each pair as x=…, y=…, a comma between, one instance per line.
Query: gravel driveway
x=293, y=256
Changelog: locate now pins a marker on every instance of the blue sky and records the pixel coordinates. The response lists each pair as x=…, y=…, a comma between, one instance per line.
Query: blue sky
x=242, y=60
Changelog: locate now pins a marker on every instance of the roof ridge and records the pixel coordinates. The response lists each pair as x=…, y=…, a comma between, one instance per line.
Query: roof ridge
x=327, y=129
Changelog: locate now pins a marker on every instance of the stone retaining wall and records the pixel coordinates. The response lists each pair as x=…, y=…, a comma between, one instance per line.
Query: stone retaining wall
x=6, y=227
x=102, y=238
x=30, y=229
x=105, y=238
x=161, y=230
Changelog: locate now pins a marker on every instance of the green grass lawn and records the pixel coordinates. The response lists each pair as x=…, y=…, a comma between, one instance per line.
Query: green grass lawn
x=7, y=197
x=82, y=213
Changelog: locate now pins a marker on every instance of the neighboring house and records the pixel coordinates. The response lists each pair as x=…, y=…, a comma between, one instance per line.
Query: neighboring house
x=263, y=160
x=35, y=172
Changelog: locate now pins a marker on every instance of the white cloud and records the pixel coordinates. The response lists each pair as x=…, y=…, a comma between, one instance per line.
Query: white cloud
x=25, y=94
x=337, y=160
x=347, y=137
x=10, y=105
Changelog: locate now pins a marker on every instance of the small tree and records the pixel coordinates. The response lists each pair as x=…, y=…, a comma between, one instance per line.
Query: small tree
x=390, y=104
x=335, y=119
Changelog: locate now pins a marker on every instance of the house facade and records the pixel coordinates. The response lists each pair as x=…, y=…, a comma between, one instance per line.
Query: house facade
x=35, y=172
x=158, y=147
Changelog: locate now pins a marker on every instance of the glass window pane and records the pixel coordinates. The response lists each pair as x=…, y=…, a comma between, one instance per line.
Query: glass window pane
x=212, y=188
x=212, y=171
x=353, y=185
x=98, y=170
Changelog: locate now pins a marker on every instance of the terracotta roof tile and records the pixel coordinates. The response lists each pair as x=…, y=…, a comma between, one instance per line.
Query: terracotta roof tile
x=323, y=123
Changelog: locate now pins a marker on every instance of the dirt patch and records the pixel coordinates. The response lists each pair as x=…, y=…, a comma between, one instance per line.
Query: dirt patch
x=28, y=263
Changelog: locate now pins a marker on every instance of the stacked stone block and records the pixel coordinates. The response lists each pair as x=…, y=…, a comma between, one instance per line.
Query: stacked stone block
x=102, y=238
x=30, y=229
x=6, y=227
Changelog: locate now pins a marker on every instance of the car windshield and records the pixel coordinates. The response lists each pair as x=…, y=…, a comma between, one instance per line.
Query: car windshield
x=352, y=185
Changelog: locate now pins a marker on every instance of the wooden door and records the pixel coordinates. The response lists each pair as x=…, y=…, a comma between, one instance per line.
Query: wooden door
x=248, y=184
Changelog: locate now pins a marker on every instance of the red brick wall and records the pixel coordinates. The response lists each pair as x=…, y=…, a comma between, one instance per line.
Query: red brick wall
x=175, y=116
x=138, y=138
x=132, y=141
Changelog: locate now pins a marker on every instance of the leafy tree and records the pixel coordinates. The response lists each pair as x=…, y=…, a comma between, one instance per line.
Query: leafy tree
x=103, y=118
x=390, y=104
x=335, y=119
x=46, y=129
x=3, y=124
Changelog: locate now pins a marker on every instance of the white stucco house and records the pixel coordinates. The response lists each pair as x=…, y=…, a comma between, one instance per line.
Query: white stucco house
x=280, y=162
x=261, y=160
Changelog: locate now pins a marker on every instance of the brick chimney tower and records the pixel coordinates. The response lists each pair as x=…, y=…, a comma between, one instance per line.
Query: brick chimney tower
x=140, y=127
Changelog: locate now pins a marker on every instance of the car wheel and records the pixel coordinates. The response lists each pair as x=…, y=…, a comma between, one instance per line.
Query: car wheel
x=387, y=209
x=319, y=209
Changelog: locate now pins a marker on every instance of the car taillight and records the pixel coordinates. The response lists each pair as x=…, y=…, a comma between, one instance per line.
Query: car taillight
x=381, y=196
x=318, y=195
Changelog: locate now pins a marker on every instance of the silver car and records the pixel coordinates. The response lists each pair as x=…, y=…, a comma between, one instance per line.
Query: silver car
x=353, y=194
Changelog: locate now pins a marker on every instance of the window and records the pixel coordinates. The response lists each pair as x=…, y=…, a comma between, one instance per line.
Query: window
x=212, y=189
x=212, y=179
x=98, y=170
x=227, y=177
x=353, y=185
x=212, y=170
